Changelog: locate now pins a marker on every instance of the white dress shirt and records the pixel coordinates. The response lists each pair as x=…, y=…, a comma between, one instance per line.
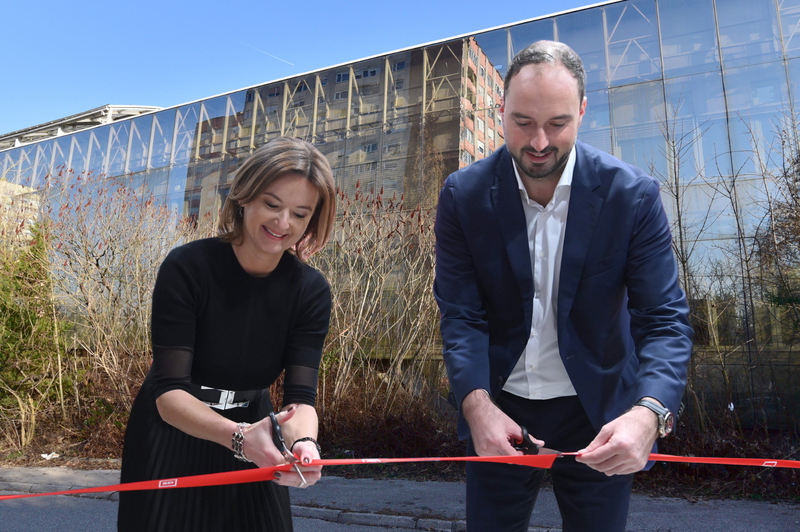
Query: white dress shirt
x=540, y=373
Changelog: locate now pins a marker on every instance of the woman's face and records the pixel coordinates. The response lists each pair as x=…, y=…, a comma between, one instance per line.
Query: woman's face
x=276, y=220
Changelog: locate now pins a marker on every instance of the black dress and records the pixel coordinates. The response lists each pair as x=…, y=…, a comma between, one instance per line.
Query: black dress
x=215, y=326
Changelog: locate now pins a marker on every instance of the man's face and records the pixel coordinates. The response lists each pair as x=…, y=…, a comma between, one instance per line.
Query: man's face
x=541, y=115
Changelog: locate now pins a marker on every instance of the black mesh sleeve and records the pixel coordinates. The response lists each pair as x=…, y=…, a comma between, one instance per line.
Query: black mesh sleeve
x=171, y=369
x=300, y=385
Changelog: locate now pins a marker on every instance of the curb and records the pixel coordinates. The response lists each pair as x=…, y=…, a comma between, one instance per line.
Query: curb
x=393, y=521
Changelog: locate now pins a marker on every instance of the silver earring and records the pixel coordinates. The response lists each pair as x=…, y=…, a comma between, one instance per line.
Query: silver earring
x=241, y=212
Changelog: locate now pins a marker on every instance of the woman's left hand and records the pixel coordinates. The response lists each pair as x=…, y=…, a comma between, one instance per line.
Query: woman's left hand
x=305, y=451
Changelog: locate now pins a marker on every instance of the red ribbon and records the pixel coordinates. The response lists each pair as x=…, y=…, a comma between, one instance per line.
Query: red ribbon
x=544, y=461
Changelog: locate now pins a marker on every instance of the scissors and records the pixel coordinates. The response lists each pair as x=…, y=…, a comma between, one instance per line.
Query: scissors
x=280, y=443
x=527, y=446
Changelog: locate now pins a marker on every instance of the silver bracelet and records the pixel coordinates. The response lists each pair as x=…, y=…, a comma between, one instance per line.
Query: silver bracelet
x=237, y=443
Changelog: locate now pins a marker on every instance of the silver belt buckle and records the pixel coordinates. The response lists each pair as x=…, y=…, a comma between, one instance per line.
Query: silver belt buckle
x=225, y=399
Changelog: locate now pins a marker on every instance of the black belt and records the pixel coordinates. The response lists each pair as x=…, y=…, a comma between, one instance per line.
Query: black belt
x=224, y=399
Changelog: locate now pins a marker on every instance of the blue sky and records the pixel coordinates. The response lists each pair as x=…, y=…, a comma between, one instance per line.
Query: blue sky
x=59, y=58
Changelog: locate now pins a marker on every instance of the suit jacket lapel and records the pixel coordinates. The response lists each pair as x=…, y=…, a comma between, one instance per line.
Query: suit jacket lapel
x=584, y=209
x=508, y=208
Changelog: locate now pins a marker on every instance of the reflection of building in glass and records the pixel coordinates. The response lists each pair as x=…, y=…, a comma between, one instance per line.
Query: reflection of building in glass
x=723, y=79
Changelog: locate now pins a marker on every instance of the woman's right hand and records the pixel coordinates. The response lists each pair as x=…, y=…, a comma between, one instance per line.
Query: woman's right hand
x=258, y=444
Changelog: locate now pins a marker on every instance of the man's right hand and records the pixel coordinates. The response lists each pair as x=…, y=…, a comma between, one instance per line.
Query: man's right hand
x=492, y=430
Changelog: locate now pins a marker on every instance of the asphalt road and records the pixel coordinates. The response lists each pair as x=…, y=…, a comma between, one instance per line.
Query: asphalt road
x=81, y=514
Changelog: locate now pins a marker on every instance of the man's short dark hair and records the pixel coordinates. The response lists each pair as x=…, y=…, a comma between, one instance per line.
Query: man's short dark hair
x=552, y=53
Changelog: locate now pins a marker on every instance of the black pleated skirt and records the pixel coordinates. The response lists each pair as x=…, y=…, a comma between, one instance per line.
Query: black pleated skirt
x=154, y=449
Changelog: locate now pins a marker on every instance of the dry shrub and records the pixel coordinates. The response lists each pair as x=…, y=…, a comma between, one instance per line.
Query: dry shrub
x=380, y=265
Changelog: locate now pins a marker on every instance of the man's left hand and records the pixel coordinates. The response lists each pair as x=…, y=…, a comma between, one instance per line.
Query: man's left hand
x=623, y=445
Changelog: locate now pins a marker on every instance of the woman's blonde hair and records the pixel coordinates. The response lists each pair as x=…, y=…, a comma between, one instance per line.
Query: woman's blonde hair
x=284, y=155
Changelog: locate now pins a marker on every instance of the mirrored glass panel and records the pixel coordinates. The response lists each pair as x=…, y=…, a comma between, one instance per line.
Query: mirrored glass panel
x=748, y=31
x=637, y=114
x=117, y=147
x=790, y=25
x=633, y=47
x=698, y=126
x=793, y=68
x=583, y=32
x=176, y=189
x=98, y=150
x=688, y=43
x=60, y=154
x=8, y=164
x=163, y=129
x=212, y=127
x=595, y=128
x=139, y=141
x=41, y=169
x=237, y=143
x=186, y=119
x=526, y=34
x=706, y=212
x=495, y=44
x=758, y=103
x=157, y=183
x=24, y=174
x=79, y=152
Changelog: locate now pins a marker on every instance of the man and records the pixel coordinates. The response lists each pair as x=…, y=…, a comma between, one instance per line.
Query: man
x=560, y=307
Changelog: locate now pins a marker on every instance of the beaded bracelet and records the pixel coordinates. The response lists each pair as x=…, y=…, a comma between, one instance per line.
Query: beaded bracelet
x=237, y=443
x=307, y=438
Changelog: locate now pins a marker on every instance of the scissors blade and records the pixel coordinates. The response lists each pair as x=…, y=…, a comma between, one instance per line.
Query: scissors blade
x=280, y=444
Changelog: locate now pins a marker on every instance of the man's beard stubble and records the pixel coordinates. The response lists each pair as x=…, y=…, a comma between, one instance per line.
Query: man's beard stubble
x=554, y=171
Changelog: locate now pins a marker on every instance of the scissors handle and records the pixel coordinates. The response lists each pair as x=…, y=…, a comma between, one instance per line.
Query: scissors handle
x=526, y=445
x=280, y=444
x=277, y=434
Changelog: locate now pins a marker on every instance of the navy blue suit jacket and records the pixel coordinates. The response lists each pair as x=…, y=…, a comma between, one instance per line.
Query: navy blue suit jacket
x=623, y=331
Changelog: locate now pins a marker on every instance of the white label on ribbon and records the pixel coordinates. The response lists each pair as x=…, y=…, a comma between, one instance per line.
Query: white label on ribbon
x=171, y=483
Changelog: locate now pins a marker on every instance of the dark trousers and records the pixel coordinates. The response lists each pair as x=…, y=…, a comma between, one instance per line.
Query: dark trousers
x=500, y=497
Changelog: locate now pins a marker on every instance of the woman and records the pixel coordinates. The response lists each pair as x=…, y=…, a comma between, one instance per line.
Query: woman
x=229, y=315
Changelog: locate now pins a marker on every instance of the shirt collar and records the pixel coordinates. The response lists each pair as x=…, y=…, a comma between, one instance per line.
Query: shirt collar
x=564, y=182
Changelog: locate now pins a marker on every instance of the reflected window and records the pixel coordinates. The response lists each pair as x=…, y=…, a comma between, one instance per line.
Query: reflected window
x=8, y=164
x=526, y=34
x=583, y=32
x=633, y=47
x=24, y=174
x=139, y=143
x=163, y=129
x=79, y=152
x=757, y=99
x=186, y=120
x=689, y=44
x=60, y=154
x=177, y=180
x=98, y=150
x=41, y=168
x=790, y=23
x=637, y=121
x=706, y=212
x=117, y=147
x=697, y=123
x=748, y=32
x=495, y=45
x=595, y=127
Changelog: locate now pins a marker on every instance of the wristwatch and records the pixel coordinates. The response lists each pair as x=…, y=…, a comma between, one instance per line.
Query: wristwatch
x=666, y=421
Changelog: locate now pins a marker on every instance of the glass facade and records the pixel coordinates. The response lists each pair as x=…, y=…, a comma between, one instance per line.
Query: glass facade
x=688, y=90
